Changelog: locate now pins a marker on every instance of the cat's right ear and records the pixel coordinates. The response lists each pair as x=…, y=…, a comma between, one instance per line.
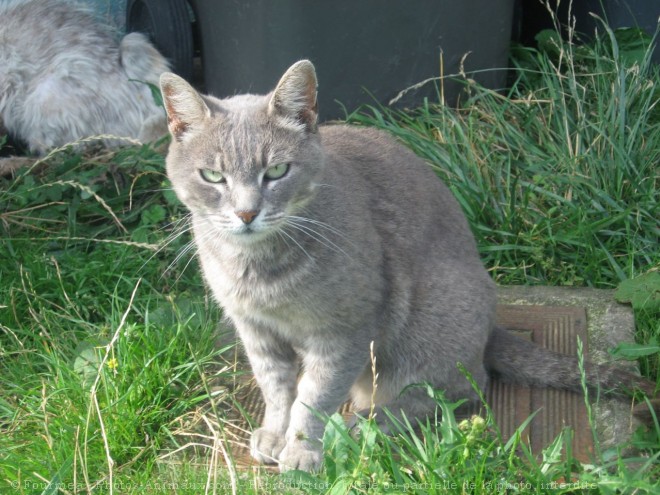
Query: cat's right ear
x=186, y=110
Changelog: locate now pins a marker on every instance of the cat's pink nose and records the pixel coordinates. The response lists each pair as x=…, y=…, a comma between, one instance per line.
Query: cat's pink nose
x=247, y=216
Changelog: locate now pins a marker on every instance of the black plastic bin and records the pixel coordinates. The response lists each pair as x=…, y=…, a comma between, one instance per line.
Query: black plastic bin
x=377, y=47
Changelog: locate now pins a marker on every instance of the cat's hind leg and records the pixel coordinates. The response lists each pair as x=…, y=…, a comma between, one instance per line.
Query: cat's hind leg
x=417, y=403
x=413, y=408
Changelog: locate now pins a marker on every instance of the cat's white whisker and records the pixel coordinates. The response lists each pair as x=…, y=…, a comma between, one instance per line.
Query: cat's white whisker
x=286, y=235
x=324, y=225
x=184, y=226
x=305, y=229
x=190, y=259
x=179, y=227
x=190, y=246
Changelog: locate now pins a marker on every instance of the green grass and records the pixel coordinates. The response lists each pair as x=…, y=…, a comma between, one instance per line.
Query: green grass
x=559, y=178
x=108, y=346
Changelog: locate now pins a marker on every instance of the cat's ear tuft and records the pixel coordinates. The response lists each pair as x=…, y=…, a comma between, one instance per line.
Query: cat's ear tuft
x=186, y=110
x=294, y=98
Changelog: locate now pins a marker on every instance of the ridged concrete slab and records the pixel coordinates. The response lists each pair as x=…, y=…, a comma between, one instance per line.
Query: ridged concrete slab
x=608, y=323
x=556, y=328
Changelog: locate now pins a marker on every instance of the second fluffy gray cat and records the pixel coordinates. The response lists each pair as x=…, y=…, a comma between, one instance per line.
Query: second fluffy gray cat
x=317, y=241
x=64, y=76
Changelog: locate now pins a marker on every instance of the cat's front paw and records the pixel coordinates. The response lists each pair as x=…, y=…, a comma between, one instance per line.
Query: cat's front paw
x=300, y=455
x=266, y=445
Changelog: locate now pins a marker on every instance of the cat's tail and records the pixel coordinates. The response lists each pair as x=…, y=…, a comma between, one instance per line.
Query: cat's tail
x=141, y=60
x=518, y=360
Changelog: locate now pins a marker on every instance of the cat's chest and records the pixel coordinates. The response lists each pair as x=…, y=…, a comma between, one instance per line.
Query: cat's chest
x=252, y=294
x=234, y=283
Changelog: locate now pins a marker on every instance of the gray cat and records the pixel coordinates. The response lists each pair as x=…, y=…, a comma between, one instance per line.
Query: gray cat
x=317, y=241
x=65, y=76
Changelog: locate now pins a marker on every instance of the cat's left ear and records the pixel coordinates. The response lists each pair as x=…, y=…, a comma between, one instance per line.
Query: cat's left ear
x=186, y=110
x=294, y=98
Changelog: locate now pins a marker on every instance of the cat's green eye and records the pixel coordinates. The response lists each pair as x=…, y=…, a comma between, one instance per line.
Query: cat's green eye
x=212, y=176
x=276, y=171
